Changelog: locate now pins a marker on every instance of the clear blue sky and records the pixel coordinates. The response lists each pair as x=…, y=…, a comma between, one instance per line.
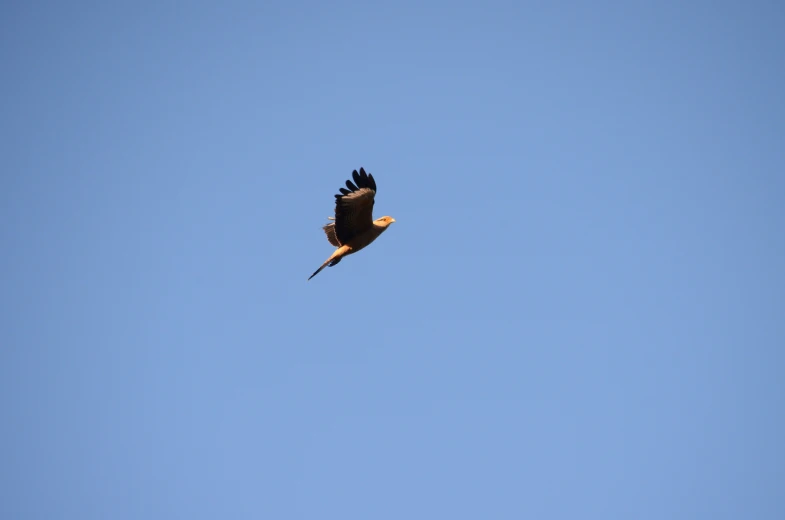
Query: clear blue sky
x=579, y=313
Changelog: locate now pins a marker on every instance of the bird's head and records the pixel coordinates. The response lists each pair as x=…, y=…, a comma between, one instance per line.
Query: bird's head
x=384, y=221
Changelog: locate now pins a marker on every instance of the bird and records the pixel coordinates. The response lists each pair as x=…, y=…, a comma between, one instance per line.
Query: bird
x=353, y=227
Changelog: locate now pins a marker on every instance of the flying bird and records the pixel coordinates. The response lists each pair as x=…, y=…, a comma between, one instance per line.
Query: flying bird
x=354, y=227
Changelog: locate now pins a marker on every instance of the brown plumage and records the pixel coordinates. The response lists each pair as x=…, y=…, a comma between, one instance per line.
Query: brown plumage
x=354, y=227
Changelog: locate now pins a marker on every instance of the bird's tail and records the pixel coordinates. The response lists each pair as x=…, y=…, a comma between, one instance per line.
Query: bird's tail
x=320, y=268
x=334, y=259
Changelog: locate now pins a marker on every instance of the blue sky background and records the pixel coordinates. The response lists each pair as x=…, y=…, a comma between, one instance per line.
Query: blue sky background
x=579, y=313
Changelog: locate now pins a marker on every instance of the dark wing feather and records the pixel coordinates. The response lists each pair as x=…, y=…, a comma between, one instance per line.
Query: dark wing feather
x=354, y=210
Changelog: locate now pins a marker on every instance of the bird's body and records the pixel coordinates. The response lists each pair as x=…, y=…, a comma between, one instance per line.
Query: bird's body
x=353, y=228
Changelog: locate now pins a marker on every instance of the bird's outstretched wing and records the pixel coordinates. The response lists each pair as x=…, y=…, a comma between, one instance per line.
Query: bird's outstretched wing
x=353, y=209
